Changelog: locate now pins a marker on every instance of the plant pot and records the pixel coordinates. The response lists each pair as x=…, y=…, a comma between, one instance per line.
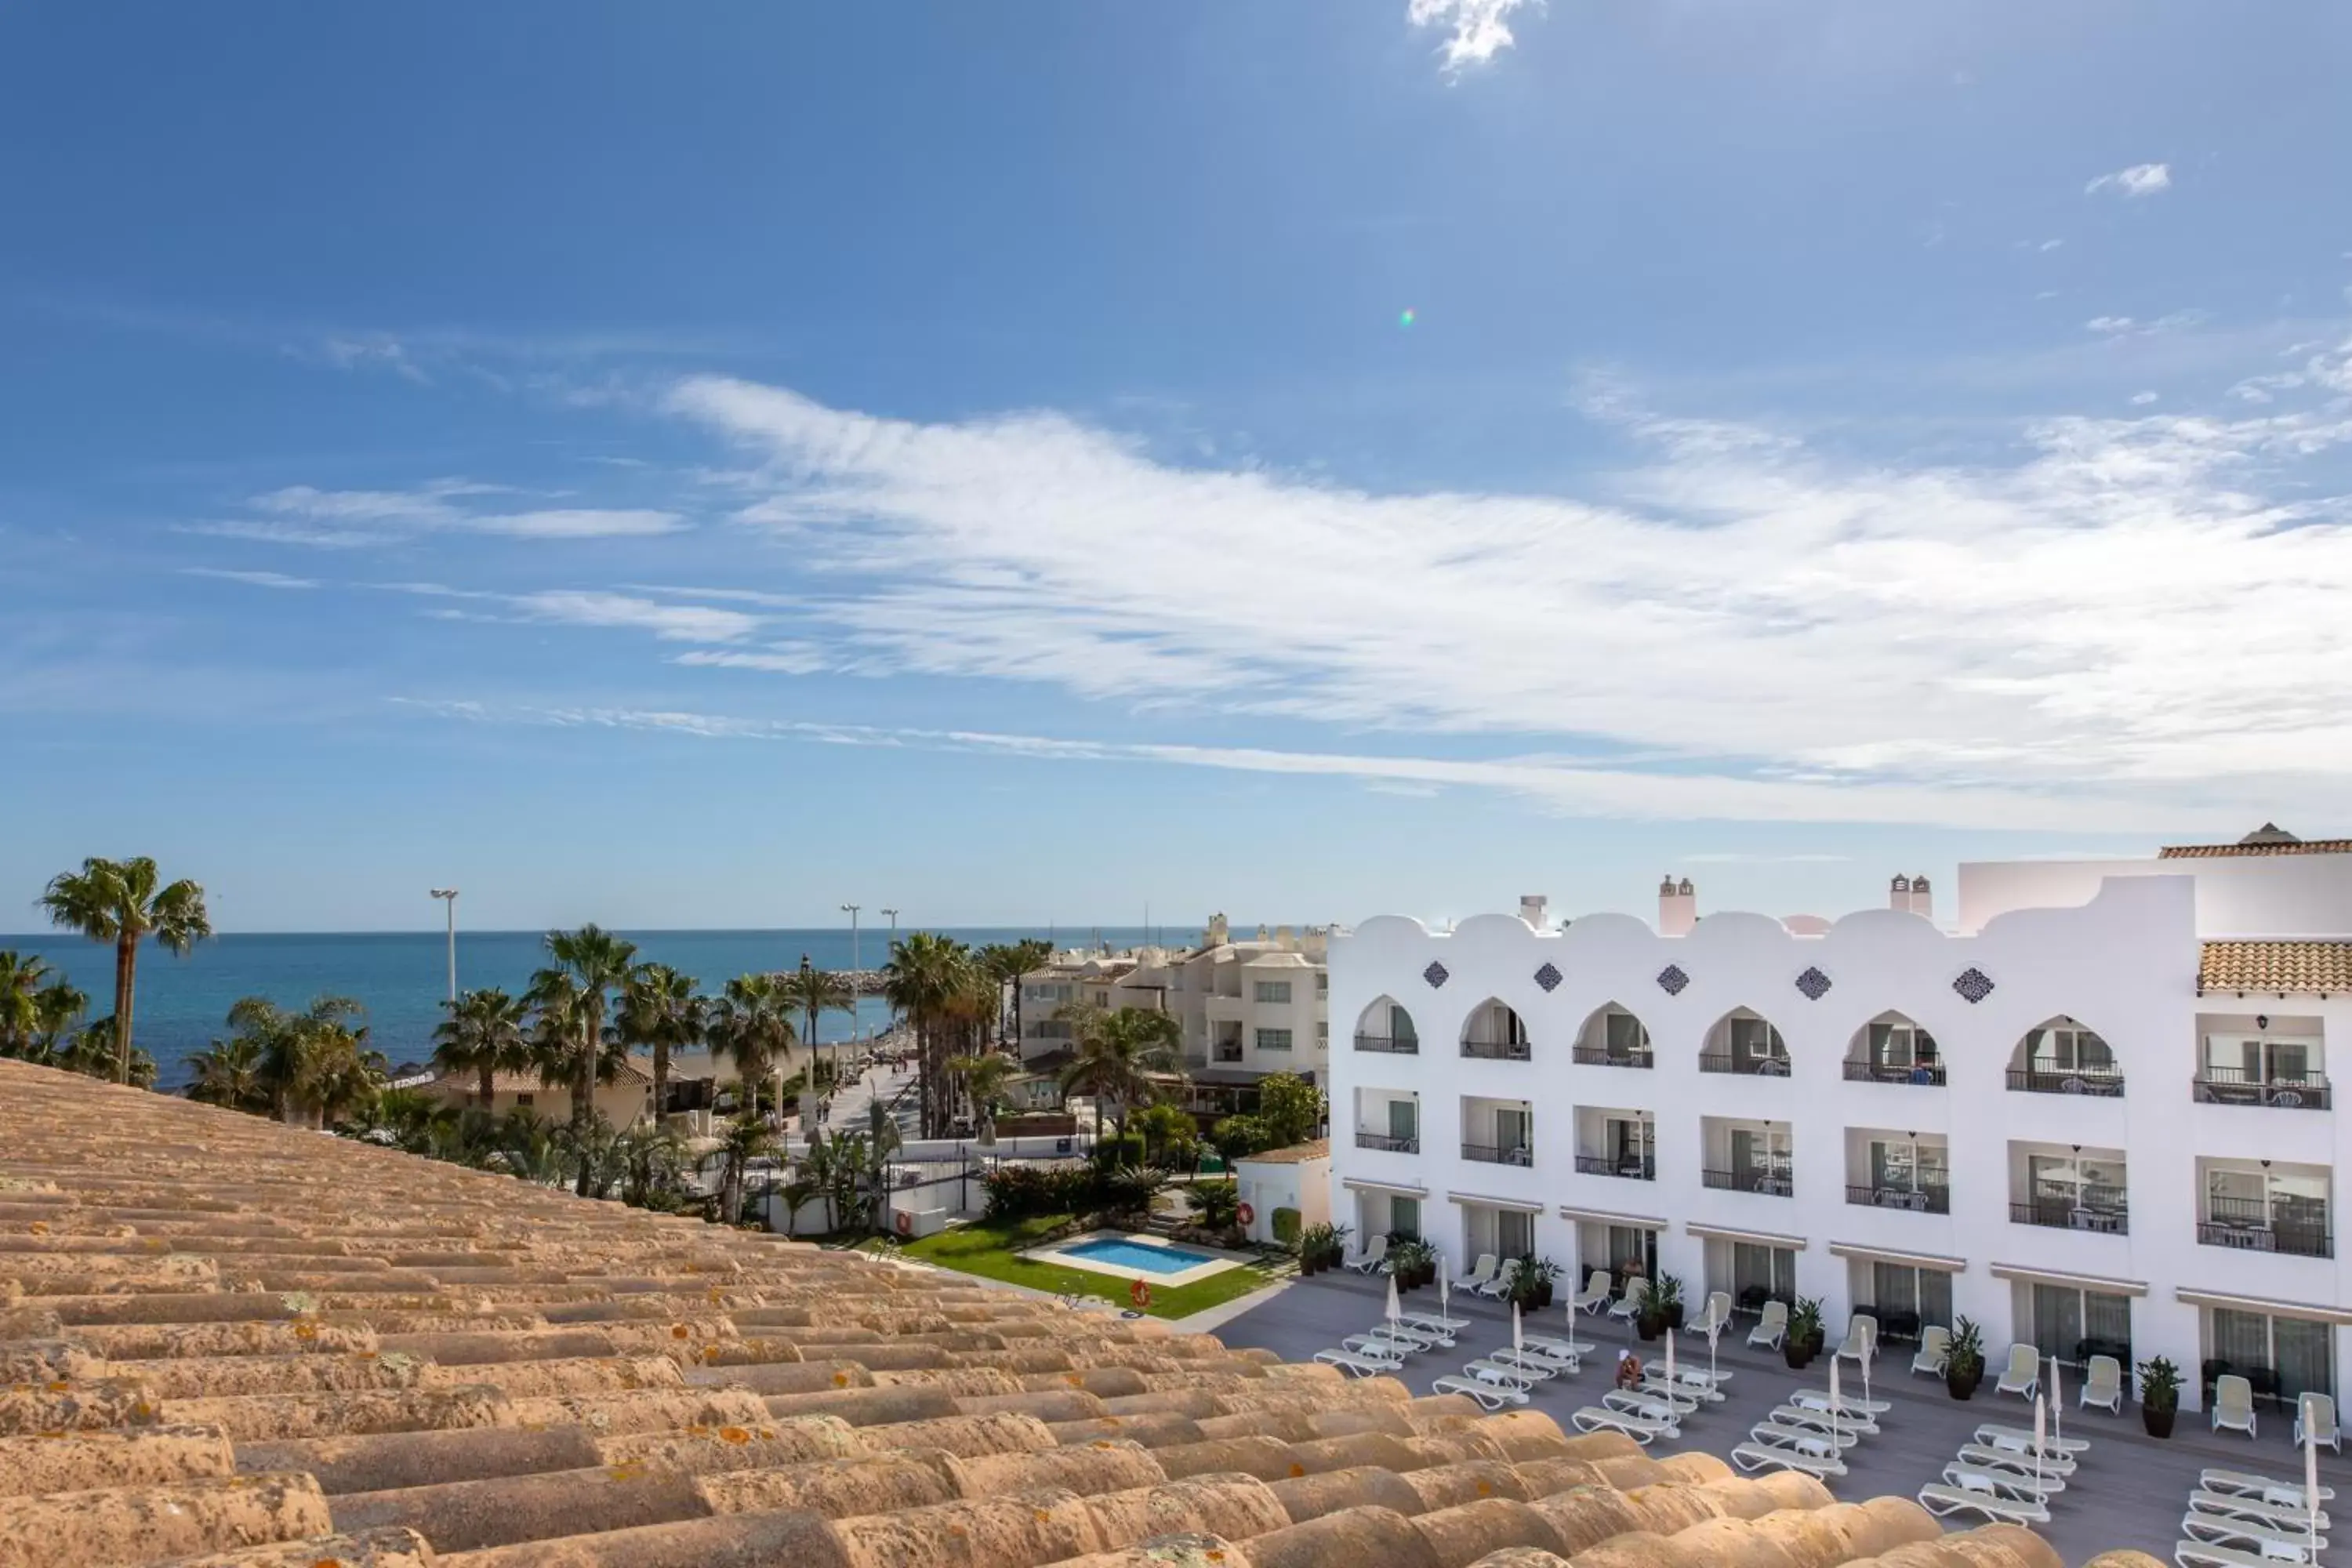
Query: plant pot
x=1649, y=1325
x=1795, y=1353
x=2157, y=1422
x=1674, y=1317
x=1543, y=1295
x=1962, y=1383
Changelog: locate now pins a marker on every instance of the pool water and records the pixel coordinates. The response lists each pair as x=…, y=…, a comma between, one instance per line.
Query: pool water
x=1135, y=1254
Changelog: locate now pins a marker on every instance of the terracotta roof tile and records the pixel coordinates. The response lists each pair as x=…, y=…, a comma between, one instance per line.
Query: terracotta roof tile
x=2216, y=851
x=2279, y=968
x=1314, y=1149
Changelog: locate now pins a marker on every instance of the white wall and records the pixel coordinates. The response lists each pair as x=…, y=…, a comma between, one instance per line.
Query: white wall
x=1302, y=1185
x=2237, y=896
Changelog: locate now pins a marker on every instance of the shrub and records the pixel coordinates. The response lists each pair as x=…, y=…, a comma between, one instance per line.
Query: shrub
x=1020, y=1192
x=1124, y=1149
x=1219, y=1203
x=1238, y=1137
x=1286, y=1226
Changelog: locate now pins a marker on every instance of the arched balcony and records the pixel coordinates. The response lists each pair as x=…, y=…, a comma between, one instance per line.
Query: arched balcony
x=2062, y=1056
x=1891, y=1048
x=1385, y=1026
x=1613, y=1037
x=1743, y=1042
x=1493, y=1032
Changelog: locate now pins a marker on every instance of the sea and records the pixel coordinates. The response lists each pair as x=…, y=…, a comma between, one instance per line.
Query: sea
x=402, y=977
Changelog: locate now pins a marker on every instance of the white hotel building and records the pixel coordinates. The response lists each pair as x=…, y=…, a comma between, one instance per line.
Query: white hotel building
x=2095, y=1118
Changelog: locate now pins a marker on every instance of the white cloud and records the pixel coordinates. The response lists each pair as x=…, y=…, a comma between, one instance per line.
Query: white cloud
x=1478, y=29
x=782, y=660
x=2142, y=399
x=589, y=607
x=2109, y=324
x=2139, y=180
x=2048, y=244
x=300, y=514
x=2068, y=623
x=253, y=579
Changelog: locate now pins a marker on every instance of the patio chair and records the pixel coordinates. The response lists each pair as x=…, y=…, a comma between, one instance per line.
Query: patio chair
x=1364, y=1262
x=2234, y=1404
x=2314, y=1415
x=2023, y=1375
x=1491, y=1396
x=2103, y=1386
x=1772, y=1327
x=1503, y=1278
x=1480, y=1275
x=1629, y=1305
x=1595, y=1294
x=1977, y=1494
x=1785, y=1448
x=1935, y=1344
x=1716, y=1315
x=1861, y=1338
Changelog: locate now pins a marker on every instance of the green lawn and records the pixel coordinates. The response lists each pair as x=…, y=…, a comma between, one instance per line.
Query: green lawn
x=988, y=1251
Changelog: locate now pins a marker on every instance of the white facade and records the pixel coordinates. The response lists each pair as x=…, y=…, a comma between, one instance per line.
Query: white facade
x=2074, y=1151
x=1297, y=1178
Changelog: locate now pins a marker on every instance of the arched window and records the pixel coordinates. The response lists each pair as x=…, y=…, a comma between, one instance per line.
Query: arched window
x=1613, y=1037
x=1495, y=1032
x=1385, y=1026
x=1891, y=1048
x=2062, y=1056
x=1742, y=1041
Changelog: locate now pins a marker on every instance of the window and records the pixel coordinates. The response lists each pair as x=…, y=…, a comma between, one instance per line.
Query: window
x=1323, y=1033
x=1273, y=1039
x=525, y=1101
x=1405, y=1218
x=1404, y=1120
x=1626, y=1037
x=1761, y=1274
x=1401, y=1025
x=1901, y=1046
x=1925, y=1294
x=2072, y=1049
x=1273, y=990
x=1515, y=1233
x=2076, y=1325
x=1633, y=1250
x=2298, y=1353
x=1322, y=985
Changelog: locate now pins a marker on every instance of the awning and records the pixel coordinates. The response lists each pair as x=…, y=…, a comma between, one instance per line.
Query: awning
x=1900, y=1260
x=1603, y=1216
x=1361, y=1184
x=1520, y=1205
x=1756, y=1237
x=2263, y=1306
x=2077, y=1281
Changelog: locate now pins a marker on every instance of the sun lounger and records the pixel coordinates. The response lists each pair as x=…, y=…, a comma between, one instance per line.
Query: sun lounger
x=1356, y=1363
x=1542, y=1368
x=1643, y=1429
x=1690, y=1382
x=2007, y=1482
x=1798, y=1418
x=1865, y=1411
x=2245, y=1483
x=1717, y=1314
x=1946, y=1500
x=1861, y=1341
x=1492, y=1371
x=2247, y=1535
x=2234, y=1404
x=1500, y=1285
x=1379, y=1344
x=2023, y=1375
x=2103, y=1386
x=1772, y=1327
x=1686, y=1401
x=1364, y=1262
x=1992, y=1432
x=1406, y=1337
x=1435, y=1323
x=2209, y=1554
x=1809, y=1452
x=2280, y=1515
x=1553, y=1352
x=1935, y=1344
x=2316, y=1412
x=2016, y=1457
x=1489, y=1396
x=1629, y=1305
x=1479, y=1274
x=1594, y=1295
x=1570, y=1346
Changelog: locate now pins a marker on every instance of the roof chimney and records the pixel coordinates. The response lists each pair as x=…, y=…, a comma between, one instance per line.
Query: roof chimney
x=1898, y=896
x=1531, y=909
x=1922, y=900
x=1677, y=907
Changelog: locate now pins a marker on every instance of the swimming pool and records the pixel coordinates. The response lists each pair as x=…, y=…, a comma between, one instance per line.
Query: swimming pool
x=1139, y=1255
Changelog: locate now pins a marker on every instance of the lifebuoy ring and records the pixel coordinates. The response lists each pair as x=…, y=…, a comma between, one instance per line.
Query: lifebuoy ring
x=1139, y=1292
x=905, y=1222
x=1246, y=1214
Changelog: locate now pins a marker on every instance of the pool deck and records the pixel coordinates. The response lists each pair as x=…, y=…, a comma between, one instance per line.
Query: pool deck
x=2130, y=1490
x=1058, y=1255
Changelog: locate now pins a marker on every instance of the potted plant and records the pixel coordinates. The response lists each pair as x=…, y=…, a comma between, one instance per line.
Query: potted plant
x=1544, y=1272
x=1964, y=1361
x=1803, y=1342
x=2159, y=1395
x=1311, y=1242
x=1412, y=1263
x=1334, y=1247
x=1667, y=1295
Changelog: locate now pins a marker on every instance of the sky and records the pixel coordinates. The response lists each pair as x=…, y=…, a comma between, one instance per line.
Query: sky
x=1037, y=461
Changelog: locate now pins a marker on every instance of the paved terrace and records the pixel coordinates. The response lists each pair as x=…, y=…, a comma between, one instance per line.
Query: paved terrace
x=2130, y=1492
x=229, y=1344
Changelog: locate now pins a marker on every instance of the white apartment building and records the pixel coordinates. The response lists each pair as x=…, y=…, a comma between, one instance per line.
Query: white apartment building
x=2096, y=1118
x=1247, y=1007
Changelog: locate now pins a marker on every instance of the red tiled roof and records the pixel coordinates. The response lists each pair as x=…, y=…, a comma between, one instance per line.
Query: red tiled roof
x=2279, y=968
x=2214, y=851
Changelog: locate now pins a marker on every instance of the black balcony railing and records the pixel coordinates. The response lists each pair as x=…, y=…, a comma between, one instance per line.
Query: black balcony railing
x=2292, y=1226
x=1927, y=1073
x=1919, y=1200
x=1496, y=1050
x=1498, y=1154
x=1752, y=1067
x=1632, y=1167
x=2104, y=1216
x=1395, y=1044
x=1388, y=1144
x=2107, y=1083
x=1602, y=1056
x=2235, y=1086
x=1761, y=1179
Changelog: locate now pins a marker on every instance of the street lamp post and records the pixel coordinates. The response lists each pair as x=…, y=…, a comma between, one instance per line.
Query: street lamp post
x=449, y=896
x=851, y=910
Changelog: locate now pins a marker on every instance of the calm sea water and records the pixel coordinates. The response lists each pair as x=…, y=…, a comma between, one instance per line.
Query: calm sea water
x=400, y=978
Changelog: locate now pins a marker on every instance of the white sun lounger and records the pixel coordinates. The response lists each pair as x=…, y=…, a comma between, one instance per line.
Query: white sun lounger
x=1643, y=1429
x=2000, y=1456
x=1552, y=1353
x=1935, y=1346
x=1542, y=1368
x=2246, y=1535
x=2023, y=1375
x=1795, y=1419
x=1594, y=1295
x=1405, y=1336
x=1853, y=1412
x=1629, y=1305
x=1489, y=1396
x=2212, y=1554
x=2245, y=1483
x=2006, y=1481
x=1772, y=1327
x=1500, y=1285
x=1355, y=1363
x=1685, y=1401
x=1379, y=1347
x=1480, y=1275
x=1944, y=1500
x=2285, y=1513
x=1364, y=1262
x=1570, y=1346
x=1489, y=1370
x=1808, y=1452
x=1992, y=1432
x=1435, y=1323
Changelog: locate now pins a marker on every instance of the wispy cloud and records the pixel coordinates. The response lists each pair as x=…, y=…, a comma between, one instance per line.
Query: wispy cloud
x=255, y=579
x=358, y=520
x=588, y=607
x=2139, y=180
x=1476, y=30
x=2142, y=399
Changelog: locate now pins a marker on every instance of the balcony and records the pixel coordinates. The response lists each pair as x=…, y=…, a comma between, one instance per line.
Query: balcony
x=2099, y=1210
x=1927, y=1074
x=1394, y=1045
x=1386, y=1145
x=2235, y=1086
x=2242, y=1223
x=1760, y=1179
x=1496, y=1050
x=1498, y=1154
x=1748, y=1067
x=1918, y=1199
x=1630, y=1167
x=1602, y=1056
x=2104, y=1082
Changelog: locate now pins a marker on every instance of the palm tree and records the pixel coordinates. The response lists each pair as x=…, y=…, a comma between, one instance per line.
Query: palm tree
x=651, y=1158
x=315, y=1063
x=119, y=901
x=1006, y=963
x=1116, y=1051
x=925, y=977
x=664, y=1011
x=57, y=1006
x=983, y=1079
x=229, y=1073
x=484, y=1035
x=21, y=980
x=590, y=964
x=751, y=1026
x=816, y=992
x=748, y=1139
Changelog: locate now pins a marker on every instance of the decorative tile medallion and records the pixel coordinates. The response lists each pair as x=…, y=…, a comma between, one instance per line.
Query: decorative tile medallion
x=1548, y=978
x=1974, y=985
x=1671, y=980
x=1813, y=983
x=1435, y=973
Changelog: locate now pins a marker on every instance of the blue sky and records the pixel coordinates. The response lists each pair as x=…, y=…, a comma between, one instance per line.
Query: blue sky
x=694, y=467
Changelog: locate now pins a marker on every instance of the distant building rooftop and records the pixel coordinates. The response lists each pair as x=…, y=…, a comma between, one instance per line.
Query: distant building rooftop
x=2268, y=839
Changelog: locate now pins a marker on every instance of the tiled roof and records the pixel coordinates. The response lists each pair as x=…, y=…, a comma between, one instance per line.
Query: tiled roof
x=2280, y=968
x=226, y=1343
x=1297, y=1153
x=2267, y=840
